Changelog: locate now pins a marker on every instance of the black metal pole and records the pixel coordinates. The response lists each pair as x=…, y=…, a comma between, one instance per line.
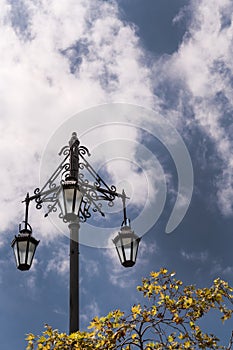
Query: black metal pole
x=74, y=243
x=27, y=200
x=74, y=277
x=74, y=156
x=124, y=207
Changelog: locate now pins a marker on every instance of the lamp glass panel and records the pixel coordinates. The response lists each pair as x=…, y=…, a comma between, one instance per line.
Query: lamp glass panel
x=135, y=249
x=126, y=242
x=31, y=250
x=68, y=197
x=61, y=198
x=119, y=249
x=15, y=248
x=79, y=197
x=22, y=251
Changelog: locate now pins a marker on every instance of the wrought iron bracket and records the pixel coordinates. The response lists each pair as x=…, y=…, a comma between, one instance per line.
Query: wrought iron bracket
x=94, y=189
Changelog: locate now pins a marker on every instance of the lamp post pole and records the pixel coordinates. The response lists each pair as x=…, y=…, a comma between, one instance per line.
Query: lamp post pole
x=74, y=276
x=74, y=244
x=75, y=195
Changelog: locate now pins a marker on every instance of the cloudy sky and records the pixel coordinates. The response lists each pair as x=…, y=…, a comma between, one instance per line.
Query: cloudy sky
x=144, y=84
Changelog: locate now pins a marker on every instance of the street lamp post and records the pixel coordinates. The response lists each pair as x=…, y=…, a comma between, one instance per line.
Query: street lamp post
x=75, y=196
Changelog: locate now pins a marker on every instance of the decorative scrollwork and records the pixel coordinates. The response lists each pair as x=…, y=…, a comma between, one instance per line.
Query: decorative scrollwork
x=52, y=186
x=81, y=166
x=95, y=190
x=82, y=151
x=39, y=205
x=97, y=183
x=64, y=151
x=84, y=213
x=100, y=205
x=66, y=170
x=52, y=208
x=38, y=198
x=93, y=194
x=113, y=188
x=37, y=190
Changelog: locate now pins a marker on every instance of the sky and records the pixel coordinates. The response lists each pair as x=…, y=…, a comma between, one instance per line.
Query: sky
x=147, y=85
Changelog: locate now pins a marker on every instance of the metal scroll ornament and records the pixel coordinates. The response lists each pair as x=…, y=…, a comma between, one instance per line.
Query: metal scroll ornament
x=94, y=188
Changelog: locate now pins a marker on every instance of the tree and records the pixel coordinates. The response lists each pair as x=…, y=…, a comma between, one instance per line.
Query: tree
x=168, y=321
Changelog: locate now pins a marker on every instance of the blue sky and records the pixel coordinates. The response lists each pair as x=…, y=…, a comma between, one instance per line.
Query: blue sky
x=58, y=59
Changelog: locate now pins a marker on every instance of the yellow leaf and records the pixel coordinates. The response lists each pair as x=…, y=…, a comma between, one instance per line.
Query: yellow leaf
x=192, y=324
x=177, y=319
x=30, y=337
x=154, y=310
x=136, y=309
x=154, y=274
x=218, y=297
x=187, y=302
x=170, y=338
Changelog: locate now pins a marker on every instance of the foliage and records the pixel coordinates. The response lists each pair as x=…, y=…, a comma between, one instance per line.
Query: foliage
x=168, y=321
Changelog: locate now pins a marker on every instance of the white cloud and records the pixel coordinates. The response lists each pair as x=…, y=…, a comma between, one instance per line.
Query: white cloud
x=56, y=59
x=2, y=242
x=60, y=61
x=219, y=270
x=91, y=267
x=31, y=282
x=202, y=70
x=125, y=277
x=59, y=263
x=195, y=256
x=89, y=312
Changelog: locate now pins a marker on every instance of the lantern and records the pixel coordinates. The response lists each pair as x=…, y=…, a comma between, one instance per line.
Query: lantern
x=24, y=247
x=71, y=199
x=127, y=243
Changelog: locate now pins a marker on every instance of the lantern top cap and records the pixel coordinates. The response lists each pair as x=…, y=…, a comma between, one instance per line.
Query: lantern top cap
x=24, y=236
x=27, y=229
x=126, y=224
x=25, y=232
x=70, y=178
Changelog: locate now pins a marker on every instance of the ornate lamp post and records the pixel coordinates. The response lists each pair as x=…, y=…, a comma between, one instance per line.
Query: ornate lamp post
x=75, y=196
